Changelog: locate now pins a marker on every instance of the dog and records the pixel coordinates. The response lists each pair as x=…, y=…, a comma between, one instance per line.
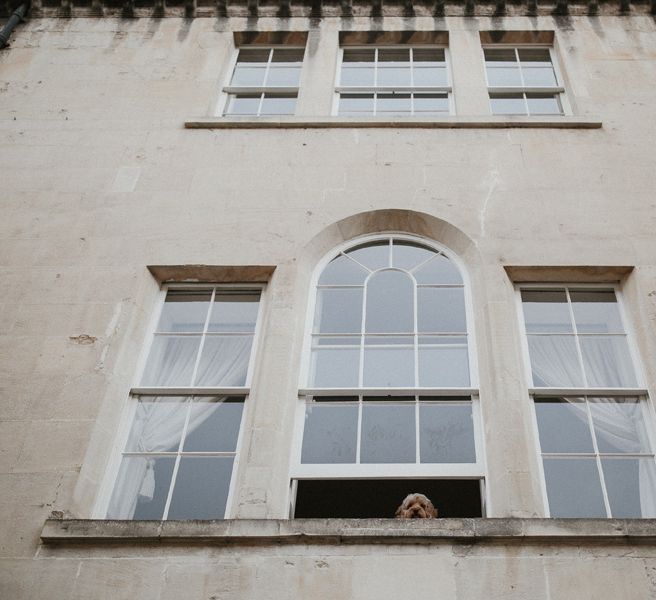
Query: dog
x=416, y=506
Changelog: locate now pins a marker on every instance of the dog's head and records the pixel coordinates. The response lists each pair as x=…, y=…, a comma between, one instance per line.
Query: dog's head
x=416, y=506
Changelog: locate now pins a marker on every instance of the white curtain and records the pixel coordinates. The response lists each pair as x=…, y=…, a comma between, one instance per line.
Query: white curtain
x=224, y=361
x=607, y=361
x=619, y=423
x=554, y=361
x=157, y=427
x=171, y=361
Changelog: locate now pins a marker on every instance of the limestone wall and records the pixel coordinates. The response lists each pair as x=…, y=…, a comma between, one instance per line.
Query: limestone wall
x=100, y=179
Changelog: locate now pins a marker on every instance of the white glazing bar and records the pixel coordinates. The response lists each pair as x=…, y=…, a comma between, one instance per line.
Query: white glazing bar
x=598, y=459
x=177, y=461
x=427, y=391
x=183, y=391
x=577, y=343
x=556, y=391
x=203, y=336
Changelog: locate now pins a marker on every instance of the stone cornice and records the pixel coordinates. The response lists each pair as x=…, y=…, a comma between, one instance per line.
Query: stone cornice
x=316, y=9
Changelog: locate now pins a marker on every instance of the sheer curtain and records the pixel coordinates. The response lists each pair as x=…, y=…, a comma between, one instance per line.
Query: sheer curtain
x=621, y=425
x=554, y=361
x=224, y=361
x=617, y=422
x=157, y=427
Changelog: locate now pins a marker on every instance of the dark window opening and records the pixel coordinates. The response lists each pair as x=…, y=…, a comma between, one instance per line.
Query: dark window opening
x=379, y=498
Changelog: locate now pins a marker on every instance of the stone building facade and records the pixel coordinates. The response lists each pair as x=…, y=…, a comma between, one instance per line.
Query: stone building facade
x=142, y=180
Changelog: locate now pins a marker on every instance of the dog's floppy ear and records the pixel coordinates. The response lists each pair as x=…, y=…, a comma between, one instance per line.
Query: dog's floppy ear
x=432, y=511
x=399, y=511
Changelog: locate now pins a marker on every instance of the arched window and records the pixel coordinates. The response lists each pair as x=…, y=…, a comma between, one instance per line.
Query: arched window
x=389, y=397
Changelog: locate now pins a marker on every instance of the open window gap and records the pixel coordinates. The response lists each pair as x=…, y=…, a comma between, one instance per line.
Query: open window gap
x=379, y=498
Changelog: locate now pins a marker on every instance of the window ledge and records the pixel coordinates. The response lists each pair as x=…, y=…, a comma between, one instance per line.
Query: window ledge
x=453, y=122
x=348, y=531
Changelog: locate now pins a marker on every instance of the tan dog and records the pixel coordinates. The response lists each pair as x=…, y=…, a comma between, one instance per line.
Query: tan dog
x=416, y=506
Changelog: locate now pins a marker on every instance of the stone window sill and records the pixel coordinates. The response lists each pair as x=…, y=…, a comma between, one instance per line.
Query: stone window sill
x=454, y=122
x=348, y=531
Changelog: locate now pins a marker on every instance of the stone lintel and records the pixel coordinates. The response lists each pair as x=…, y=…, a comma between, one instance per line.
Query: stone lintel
x=567, y=273
x=212, y=273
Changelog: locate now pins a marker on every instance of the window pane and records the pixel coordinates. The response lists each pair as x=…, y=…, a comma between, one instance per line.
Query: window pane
x=287, y=56
x=389, y=367
x=438, y=270
x=446, y=433
x=374, y=255
x=431, y=103
x=535, y=56
x=335, y=367
x=214, y=426
x=278, y=105
x=563, y=426
x=596, y=312
x=495, y=57
x=441, y=340
x=224, y=361
x=573, y=487
x=343, y=271
x=394, y=55
x=339, y=310
x=546, y=311
x=157, y=425
x=141, y=488
x=441, y=310
x=504, y=77
x=543, y=104
x=388, y=434
x=336, y=340
x=390, y=303
x=554, y=361
x=201, y=487
x=253, y=55
x=428, y=55
x=234, y=312
x=171, y=361
x=394, y=76
x=357, y=76
x=378, y=340
x=539, y=76
x=330, y=434
x=630, y=487
x=243, y=104
x=443, y=367
x=184, y=312
x=359, y=56
x=248, y=75
x=619, y=425
x=406, y=255
x=429, y=74
x=350, y=104
x=284, y=76
x=507, y=104
x=398, y=104
x=607, y=361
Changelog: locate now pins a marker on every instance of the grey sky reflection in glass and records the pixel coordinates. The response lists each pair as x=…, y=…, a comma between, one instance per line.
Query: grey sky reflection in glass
x=389, y=300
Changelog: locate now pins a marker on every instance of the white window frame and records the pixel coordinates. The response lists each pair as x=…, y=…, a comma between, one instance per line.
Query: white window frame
x=558, y=90
x=536, y=393
x=417, y=470
x=136, y=392
x=228, y=90
x=446, y=89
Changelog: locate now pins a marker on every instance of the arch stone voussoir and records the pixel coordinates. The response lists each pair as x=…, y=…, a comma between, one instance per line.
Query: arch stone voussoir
x=393, y=221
